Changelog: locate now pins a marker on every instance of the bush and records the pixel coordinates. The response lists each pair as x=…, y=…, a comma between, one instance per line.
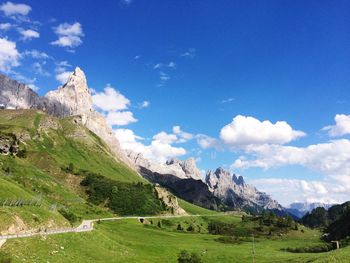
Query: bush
x=185, y=257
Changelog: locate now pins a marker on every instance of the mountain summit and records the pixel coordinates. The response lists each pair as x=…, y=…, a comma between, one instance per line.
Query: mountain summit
x=71, y=99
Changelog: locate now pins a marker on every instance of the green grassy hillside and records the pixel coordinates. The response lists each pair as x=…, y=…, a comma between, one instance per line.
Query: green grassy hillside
x=41, y=185
x=58, y=173
x=131, y=241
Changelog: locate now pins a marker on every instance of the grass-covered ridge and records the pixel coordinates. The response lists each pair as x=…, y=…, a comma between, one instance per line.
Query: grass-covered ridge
x=36, y=191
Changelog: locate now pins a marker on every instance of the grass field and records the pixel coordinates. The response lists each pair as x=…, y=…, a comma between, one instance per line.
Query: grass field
x=130, y=241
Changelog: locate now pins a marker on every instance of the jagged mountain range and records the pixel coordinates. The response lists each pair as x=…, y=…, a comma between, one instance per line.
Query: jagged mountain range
x=218, y=189
x=299, y=209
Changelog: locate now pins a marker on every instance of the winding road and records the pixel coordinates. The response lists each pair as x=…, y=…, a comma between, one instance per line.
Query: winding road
x=88, y=225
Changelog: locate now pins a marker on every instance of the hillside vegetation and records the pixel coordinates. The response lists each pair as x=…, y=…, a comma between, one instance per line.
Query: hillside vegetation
x=41, y=174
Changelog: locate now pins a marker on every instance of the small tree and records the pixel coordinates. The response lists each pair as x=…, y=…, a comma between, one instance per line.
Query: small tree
x=70, y=168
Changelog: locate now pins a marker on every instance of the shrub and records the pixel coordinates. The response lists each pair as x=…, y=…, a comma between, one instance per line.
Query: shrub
x=186, y=257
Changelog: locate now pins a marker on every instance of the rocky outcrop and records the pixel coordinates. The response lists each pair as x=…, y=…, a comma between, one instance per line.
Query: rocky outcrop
x=8, y=144
x=72, y=99
x=235, y=193
x=170, y=201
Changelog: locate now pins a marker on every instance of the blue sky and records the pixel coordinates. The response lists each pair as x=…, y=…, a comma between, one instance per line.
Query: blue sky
x=199, y=64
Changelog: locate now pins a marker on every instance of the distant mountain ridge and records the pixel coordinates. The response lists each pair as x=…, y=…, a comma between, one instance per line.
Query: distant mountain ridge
x=299, y=209
x=218, y=189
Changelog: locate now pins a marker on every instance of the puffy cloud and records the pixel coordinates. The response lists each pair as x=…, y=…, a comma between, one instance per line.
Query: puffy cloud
x=159, y=150
x=5, y=26
x=165, y=138
x=69, y=35
x=28, y=34
x=110, y=100
x=341, y=127
x=9, y=55
x=113, y=105
x=331, y=159
x=11, y=9
x=183, y=136
x=120, y=118
x=310, y=191
x=243, y=131
x=62, y=77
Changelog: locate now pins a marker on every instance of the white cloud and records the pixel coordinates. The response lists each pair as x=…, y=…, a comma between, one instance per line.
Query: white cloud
x=158, y=150
x=11, y=9
x=28, y=34
x=191, y=53
x=301, y=190
x=9, y=55
x=183, y=136
x=5, y=26
x=171, y=65
x=341, y=127
x=165, y=138
x=206, y=142
x=243, y=131
x=164, y=76
x=120, y=118
x=144, y=104
x=110, y=100
x=331, y=159
x=62, y=77
x=69, y=35
x=36, y=54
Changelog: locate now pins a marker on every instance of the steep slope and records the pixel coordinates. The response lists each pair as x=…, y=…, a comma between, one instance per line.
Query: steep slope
x=40, y=182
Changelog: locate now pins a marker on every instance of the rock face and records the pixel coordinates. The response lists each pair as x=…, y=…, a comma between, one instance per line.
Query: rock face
x=72, y=99
x=14, y=95
x=170, y=201
x=182, y=178
x=235, y=193
x=178, y=169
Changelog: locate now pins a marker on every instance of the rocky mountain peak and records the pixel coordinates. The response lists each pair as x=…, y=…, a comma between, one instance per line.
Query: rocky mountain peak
x=72, y=99
x=77, y=80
